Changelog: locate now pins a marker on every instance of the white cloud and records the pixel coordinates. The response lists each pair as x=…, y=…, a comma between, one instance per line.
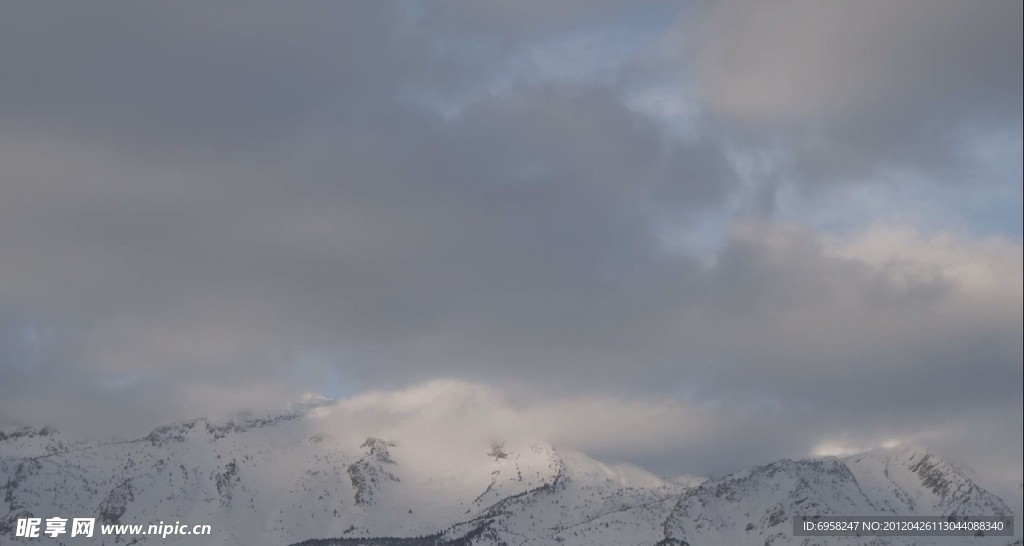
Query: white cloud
x=454, y=412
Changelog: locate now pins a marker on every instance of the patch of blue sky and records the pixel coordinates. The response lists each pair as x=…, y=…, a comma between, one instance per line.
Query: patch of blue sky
x=586, y=57
x=323, y=370
x=24, y=344
x=981, y=199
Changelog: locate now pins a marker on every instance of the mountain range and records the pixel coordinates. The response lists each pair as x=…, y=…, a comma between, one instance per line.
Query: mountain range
x=283, y=480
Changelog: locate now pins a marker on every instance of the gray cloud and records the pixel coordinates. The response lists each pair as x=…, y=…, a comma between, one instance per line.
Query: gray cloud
x=207, y=207
x=199, y=78
x=859, y=88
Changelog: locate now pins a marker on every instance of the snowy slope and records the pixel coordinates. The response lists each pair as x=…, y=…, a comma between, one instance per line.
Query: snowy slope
x=911, y=480
x=264, y=480
x=755, y=506
x=587, y=502
x=301, y=477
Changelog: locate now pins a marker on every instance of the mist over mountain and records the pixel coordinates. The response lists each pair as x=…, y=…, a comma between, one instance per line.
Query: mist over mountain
x=303, y=477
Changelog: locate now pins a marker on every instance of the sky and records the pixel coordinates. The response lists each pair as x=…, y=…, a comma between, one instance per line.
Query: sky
x=693, y=236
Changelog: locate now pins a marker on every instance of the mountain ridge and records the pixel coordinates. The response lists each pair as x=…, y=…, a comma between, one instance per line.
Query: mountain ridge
x=286, y=479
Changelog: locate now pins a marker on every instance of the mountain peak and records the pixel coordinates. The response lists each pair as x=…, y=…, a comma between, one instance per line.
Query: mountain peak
x=378, y=449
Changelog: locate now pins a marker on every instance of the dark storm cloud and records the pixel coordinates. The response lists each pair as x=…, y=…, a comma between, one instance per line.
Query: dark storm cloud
x=205, y=207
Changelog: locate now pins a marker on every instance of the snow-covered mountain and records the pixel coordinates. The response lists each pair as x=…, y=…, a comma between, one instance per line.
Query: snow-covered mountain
x=755, y=506
x=287, y=479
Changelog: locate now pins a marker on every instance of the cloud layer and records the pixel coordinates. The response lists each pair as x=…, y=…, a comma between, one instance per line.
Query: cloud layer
x=638, y=217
